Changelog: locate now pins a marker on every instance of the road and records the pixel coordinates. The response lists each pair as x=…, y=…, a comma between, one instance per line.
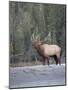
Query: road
x=37, y=76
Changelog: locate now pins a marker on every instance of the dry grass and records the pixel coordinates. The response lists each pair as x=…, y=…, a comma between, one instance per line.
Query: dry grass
x=21, y=64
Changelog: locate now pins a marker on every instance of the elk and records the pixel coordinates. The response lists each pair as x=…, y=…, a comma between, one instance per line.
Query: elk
x=46, y=50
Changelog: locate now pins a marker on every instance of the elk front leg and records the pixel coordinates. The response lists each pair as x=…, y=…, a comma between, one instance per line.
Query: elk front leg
x=44, y=61
x=48, y=60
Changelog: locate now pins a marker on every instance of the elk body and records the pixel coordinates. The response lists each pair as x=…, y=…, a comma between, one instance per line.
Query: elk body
x=46, y=51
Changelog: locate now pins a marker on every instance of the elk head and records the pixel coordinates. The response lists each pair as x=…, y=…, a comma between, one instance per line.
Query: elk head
x=36, y=42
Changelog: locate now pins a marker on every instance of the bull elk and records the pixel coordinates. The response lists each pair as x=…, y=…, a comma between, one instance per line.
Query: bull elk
x=46, y=50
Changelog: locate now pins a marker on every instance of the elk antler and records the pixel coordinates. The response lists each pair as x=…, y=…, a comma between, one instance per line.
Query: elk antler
x=35, y=37
x=32, y=37
x=38, y=37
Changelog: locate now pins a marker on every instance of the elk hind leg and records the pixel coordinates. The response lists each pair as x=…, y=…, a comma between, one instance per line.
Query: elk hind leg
x=56, y=59
x=59, y=59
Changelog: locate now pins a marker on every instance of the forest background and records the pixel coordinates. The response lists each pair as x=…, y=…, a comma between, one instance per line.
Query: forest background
x=48, y=20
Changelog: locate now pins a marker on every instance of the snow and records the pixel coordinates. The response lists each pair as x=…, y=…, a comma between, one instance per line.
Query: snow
x=39, y=75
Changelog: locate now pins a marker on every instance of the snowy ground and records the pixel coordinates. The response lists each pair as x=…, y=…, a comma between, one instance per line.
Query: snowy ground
x=37, y=76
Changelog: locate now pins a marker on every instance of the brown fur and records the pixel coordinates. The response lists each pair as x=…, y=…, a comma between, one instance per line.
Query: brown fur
x=46, y=51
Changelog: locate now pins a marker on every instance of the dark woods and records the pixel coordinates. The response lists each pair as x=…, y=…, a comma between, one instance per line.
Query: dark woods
x=47, y=20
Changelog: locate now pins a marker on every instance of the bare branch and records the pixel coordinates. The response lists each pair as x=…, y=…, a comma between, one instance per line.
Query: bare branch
x=48, y=37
